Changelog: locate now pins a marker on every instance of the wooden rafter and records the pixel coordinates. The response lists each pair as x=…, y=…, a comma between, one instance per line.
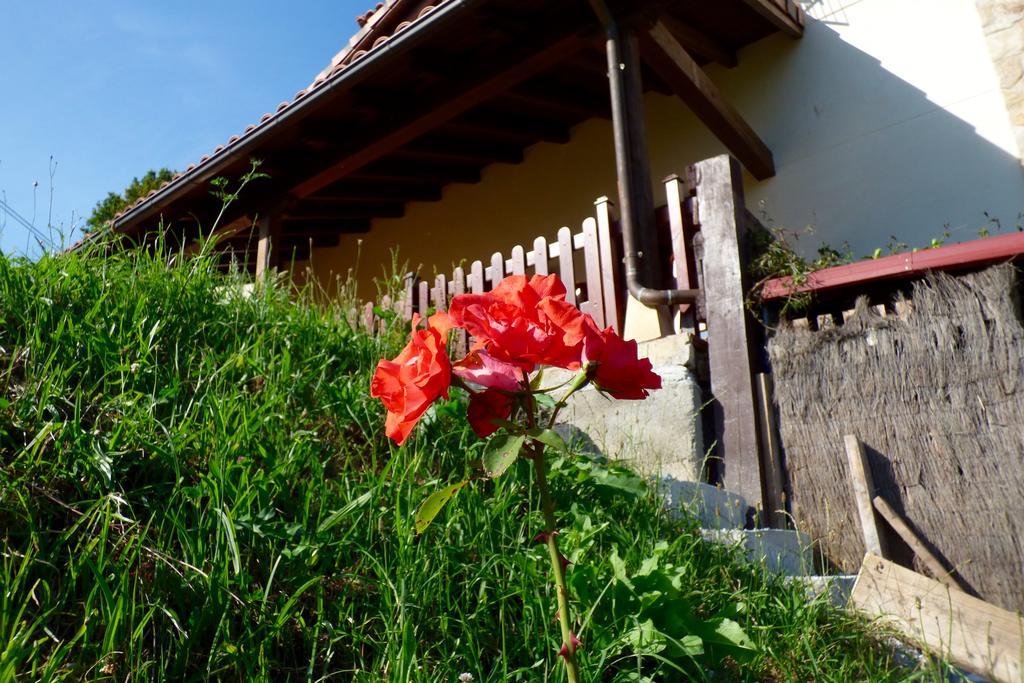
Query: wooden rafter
x=454, y=149
x=699, y=42
x=327, y=210
x=493, y=125
x=439, y=115
x=367, y=190
x=662, y=51
x=785, y=15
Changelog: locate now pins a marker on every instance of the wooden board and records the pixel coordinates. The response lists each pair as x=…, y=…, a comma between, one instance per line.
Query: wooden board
x=863, y=492
x=921, y=550
x=972, y=633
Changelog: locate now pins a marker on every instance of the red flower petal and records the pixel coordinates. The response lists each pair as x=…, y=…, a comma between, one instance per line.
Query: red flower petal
x=485, y=407
x=619, y=371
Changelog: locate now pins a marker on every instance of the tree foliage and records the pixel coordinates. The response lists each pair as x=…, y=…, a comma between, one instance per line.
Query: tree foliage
x=105, y=210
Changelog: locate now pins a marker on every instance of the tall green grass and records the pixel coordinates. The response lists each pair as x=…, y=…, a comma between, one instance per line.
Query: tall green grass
x=195, y=485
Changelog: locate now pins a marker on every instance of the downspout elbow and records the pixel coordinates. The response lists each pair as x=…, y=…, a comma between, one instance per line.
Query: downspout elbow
x=653, y=298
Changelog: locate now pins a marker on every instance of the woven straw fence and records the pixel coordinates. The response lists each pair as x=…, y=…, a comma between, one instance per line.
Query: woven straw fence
x=936, y=393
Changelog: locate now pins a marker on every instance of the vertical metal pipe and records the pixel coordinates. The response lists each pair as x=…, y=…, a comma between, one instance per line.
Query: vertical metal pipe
x=625, y=167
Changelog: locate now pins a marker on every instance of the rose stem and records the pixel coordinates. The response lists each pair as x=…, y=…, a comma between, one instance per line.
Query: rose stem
x=564, y=619
x=551, y=538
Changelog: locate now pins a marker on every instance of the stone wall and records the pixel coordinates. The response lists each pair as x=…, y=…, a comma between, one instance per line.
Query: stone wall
x=1002, y=21
x=660, y=436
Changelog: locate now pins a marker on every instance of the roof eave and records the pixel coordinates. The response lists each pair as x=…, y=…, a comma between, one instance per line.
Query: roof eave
x=346, y=77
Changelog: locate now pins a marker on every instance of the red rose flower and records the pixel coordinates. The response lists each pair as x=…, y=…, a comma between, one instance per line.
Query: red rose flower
x=485, y=407
x=480, y=368
x=618, y=371
x=512, y=324
x=419, y=375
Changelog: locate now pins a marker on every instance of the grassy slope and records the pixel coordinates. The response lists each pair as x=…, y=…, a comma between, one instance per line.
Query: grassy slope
x=195, y=486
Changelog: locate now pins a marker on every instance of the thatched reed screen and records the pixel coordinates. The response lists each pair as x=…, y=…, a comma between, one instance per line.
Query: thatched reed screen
x=937, y=395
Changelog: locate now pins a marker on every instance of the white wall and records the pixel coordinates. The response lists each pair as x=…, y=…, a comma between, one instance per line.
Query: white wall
x=885, y=119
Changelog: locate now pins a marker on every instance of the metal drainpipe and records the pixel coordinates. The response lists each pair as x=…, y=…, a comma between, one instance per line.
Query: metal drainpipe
x=649, y=297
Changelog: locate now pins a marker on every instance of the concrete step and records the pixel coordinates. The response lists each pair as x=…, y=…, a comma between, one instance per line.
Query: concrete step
x=780, y=550
x=714, y=508
x=838, y=587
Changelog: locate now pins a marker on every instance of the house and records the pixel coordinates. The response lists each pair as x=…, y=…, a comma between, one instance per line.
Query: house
x=455, y=129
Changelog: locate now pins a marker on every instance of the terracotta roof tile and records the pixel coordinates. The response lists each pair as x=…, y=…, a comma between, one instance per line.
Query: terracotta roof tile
x=364, y=41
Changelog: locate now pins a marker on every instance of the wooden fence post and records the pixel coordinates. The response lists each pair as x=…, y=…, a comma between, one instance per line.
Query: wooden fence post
x=566, y=267
x=731, y=357
x=675, y=195
x=269, y=238
x=611, y=265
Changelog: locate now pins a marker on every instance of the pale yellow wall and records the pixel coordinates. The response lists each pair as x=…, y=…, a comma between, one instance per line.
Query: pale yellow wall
x=555, y=185
x=887, y=118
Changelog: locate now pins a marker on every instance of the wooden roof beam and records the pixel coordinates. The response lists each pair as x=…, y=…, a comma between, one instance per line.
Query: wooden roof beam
x=676, y=67
x=330, y=211
x=396, y=169
x=375, y=190
x=444, y=150
x=785, y=15
x=698, y=42
x=567, y=107
x=446, y=110
x=510, y=129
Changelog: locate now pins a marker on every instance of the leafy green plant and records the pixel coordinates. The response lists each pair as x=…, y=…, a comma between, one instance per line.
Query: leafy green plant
x=194, y=485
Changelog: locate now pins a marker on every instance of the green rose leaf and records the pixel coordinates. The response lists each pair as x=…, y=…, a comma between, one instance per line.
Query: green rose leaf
x=545, y=401
x=550, y=438
x=501, y=452
x=433, y=505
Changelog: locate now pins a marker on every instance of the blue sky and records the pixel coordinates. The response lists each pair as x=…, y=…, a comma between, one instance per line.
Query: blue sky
x=112, y=89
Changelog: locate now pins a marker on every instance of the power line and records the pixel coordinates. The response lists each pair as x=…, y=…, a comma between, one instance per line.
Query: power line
x=18, y=218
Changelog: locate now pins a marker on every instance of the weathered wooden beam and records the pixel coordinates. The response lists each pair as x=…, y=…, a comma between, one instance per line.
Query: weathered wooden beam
x=326, y=225
x=699, y=42
x=673, y=63
x=732, y=361
x=359, y=191
x=332, y=210
x=492, y=125
x=771, y=454
x=397, y=169
x=441, y=149
x=972, y=633
x=269, y=228
x=785, y=15
x=863, y=487
x=561, y=102
x=436, y=116
x=921, y=550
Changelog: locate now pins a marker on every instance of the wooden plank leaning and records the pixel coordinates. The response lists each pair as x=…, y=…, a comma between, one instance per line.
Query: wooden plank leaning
x=863, y=492
x=970, y=632
x=923, y=552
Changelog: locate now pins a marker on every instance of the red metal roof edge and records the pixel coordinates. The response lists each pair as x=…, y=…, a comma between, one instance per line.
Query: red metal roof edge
x=964, y=255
